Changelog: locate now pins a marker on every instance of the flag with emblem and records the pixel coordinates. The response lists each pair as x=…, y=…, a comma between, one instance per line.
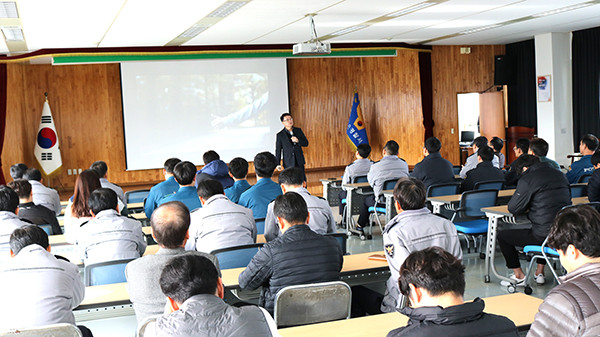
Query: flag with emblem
x=355, y=131
x=47, y=150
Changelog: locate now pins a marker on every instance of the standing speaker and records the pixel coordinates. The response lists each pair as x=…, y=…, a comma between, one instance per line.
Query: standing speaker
x=503, y=70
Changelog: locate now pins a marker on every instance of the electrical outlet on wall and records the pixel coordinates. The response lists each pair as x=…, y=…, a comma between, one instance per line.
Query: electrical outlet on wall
x=79, y=171
x=74, y=171
x=69, y=172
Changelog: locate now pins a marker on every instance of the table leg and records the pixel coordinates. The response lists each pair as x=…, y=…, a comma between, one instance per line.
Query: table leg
x=348, y=210
x=389, y=201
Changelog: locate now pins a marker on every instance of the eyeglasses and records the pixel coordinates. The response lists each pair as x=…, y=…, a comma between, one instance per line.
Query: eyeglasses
x=288, y=119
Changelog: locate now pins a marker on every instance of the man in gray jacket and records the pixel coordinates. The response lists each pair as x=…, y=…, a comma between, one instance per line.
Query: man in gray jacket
x=571, y=308
x=9, y=221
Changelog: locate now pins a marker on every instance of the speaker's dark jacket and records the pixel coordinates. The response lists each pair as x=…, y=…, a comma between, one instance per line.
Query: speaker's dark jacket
x=292, y=153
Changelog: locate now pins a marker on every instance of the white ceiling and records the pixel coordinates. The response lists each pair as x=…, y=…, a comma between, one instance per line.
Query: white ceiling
x=125, y=23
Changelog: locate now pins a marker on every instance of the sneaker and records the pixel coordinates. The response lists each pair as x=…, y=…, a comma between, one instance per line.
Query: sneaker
x=539, y=279
x=518, y=282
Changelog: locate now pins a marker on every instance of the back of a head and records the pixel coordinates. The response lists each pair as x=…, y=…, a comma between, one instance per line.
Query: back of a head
x=433, y=145
x=480, y=142
x=238, y=167
x=410, y=193
x=526, y=160
x=265, y=164
x=102, y=199
x=596, y=158
x=184, y=173
x=364, y=150
x=87, y=182
x=32, y=174
x=433, y=269
x=539, y=147
x=522, y=144
x=391, y=148
x=28, y=235
x=590, y=141
x=291, y=207
x=210, y=156
x=291, y=176
x=9, y=200
x=486, y=153
x=170, y=164
x=17, y=170
x=100, y=168
x=208, y=188
x=188, y=275
x=170, y=222
x=497, y=144
x=578, y=226
x=22, y=187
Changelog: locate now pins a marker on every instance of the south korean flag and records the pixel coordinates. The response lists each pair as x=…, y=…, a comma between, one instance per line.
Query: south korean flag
x=47, y=150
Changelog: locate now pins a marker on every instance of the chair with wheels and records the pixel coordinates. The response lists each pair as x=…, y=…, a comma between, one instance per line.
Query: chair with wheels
x=438, y=190
x=236, y=257
x=136, y=196
x=578, y=190
x=489, y=185
x=96, y=274
x=470, y=221
x=540, y=252
x=376, y=211
x=358, y=197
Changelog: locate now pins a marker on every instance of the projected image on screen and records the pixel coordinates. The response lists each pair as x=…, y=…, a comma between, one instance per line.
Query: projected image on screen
x=185, y=108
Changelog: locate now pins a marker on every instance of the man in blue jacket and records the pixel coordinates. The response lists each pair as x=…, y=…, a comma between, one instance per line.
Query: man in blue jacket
x=215, y=169
x=587, y=147
x=162, y=189
x=184, y=173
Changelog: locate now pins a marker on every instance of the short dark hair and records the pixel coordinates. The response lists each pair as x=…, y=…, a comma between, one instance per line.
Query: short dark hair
x=522, y=144
x=265, y=164
x=102, y=199
x=525, y=160
x=209, y=187
x=100, y=168
x=170, y=164
x=595, y=158
x=170, y=222
x=9, y=200
x=433, y=145
x=28, y=235
x=578, y=226
x=292, y=207
x=410, y=193
x=17, y=170
x=364, y=150
x=539, y=147
x=433, y=269
x=184, y=172
x=497, y=144
x=238, y=167
x=22, y=187
x=590, y=141
x=391, y=148
x=187, y=275
x=291, y=176
x=32, y=174
x=210, y=156
x=480, y=142
x=284, y=115
x=486, y=153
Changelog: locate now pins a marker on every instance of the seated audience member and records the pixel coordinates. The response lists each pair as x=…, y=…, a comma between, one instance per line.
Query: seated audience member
x=359, y=167
x=170, y=223
x=195, y=307
x=78, y=211
x=101, y=169
x=497, y=144
x=433, y=169
x=541, y=192
x=17, y=170
x=258, y=197
x=185, y=175
x=321, y=217
x=434, y=282
x=39, y=289
x=36, y=214
x=512, y=176
x=298, y=256
x=388, y=168
x=485, y=170
x=238, y=170
x=162, y=189
x=472, y=162
x=414, y=228
x=220, y=223
x=593, y=187
x=587, y=147
x=571, y=308
x=42, y=195
x=539, y=148
x=215, y=169
x=9, y=221
x=109, y=236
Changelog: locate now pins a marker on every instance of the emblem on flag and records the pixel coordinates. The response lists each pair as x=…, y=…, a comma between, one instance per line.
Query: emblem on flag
x=355, y=131
x=47, y=150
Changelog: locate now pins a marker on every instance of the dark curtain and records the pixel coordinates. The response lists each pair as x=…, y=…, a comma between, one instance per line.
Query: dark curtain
x=2, y=114
x=586, y=75
x=522, y=105
x=426, y=92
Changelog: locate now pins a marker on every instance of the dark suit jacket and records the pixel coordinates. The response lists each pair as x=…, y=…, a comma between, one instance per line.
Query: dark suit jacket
x=292, y=153
x=483, y=172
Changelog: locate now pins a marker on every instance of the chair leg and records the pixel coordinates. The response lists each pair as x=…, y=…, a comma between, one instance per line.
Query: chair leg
x=378, y=221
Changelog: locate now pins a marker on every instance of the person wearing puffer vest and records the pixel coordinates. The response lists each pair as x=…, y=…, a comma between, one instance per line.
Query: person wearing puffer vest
x=215, y=169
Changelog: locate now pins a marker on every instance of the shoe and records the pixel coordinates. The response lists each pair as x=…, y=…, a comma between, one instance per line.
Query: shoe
x=539, y=279
x=360, y=229
x=518, y=282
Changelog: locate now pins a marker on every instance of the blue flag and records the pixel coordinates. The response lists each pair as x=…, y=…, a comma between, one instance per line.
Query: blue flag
x=355, y=131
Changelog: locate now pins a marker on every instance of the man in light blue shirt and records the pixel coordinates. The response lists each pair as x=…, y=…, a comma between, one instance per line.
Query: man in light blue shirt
x=185, y=175
x=258, y=197
x=238, y=170
x=162, y=189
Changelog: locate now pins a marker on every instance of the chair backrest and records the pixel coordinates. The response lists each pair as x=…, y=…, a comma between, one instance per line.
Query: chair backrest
x=472, y=202
x=236, y=257
x=260, y=225
x=489, y=185
x=437, y=190
x=390, y=184
x=47, y=228
x=96, y=274
x=578, y=190
x=136, y=196
x=54, y=330
x=456, y=169
x=359, y=179
x=341, y=239
x=584, y=178
x=312, y=303
x=147, y=326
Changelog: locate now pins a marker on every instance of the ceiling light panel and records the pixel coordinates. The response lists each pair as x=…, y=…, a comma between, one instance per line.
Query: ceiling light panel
x=226, y=9
x=8, y=10
x=13, y=33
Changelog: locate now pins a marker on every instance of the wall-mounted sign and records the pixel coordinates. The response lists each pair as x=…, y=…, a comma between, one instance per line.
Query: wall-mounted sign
x=544, y=91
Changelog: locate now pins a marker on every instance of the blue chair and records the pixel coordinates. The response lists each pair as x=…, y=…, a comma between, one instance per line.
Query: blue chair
x=260, y=225
x=341, y=239
x=358, y=199
x=136, y=196
x=469, y=220
x=540, y=252
x=578, y=190
x=236, y=257
x=489, y=185
x=438, y=190
x=96, y=274
x=456, y=170
x=387, y=185
x=47, y=228
x=584, y=178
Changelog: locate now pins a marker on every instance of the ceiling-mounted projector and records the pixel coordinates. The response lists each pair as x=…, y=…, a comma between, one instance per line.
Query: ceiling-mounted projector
x=313, y=46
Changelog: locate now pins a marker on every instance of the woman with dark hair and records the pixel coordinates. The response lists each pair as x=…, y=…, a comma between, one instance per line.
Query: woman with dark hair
x=78, y=211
